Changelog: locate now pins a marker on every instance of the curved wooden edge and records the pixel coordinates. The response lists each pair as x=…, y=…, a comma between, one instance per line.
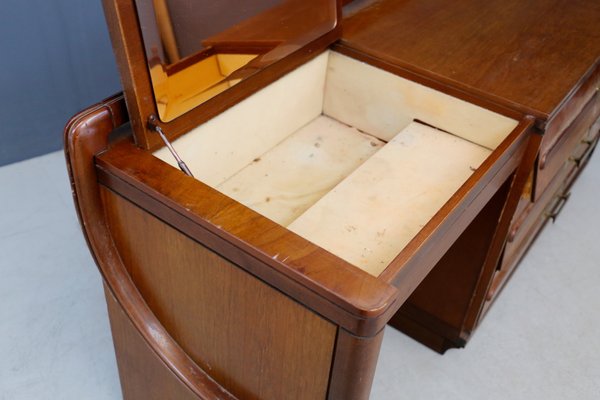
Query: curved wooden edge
x=85, y=135
x=358, y=301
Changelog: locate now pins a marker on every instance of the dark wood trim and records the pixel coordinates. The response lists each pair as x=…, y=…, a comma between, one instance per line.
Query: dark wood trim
x=186, y=62
x=562, y=145
x=434, y=312
x=426, y=329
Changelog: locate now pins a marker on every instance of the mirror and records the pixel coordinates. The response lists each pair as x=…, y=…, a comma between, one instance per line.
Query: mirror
x=197, y=49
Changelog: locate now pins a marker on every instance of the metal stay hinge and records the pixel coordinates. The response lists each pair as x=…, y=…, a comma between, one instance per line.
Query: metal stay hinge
x=153, y=125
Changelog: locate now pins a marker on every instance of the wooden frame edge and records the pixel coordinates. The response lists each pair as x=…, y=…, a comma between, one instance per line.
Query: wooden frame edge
x=84, y=136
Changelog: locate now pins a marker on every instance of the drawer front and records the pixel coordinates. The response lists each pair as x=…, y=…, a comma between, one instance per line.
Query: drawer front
x=526, y=225
x=585, y=148
x=563, y=178
x=572, y=144
x=548, y=207
x=571, y=110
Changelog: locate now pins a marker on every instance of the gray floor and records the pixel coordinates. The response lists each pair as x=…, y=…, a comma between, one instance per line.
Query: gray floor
x=541, y=340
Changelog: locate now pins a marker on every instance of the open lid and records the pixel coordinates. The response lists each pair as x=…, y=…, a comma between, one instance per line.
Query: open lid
x=182, y=62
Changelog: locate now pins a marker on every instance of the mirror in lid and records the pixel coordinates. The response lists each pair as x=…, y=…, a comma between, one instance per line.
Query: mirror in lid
x=183, y=62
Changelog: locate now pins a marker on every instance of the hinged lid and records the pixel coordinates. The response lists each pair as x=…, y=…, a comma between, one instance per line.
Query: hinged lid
x=183, y=62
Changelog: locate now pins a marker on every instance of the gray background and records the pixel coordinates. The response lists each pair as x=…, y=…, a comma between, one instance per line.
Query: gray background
x=56, y=60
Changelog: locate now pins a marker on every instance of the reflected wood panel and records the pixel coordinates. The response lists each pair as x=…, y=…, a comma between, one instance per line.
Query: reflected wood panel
x=196, y=50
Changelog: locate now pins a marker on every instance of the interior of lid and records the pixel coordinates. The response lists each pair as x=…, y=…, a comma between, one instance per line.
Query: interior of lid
x=197, y=51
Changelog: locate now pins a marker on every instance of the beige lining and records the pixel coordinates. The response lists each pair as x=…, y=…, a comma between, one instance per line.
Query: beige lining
x=307, y=152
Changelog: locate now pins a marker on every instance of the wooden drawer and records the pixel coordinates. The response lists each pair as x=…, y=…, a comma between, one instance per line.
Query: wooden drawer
x=568, y=146
x=586, y=146
x=532, y=218
x=561, y=124
x=581, y=150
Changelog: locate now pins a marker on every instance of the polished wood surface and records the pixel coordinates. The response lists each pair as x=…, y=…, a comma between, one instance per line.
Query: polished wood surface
x=279, y=24
x=528, y=55
x=253, y=340
x=341, y=292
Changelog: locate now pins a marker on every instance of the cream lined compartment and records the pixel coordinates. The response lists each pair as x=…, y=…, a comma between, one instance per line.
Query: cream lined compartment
x=335, y=152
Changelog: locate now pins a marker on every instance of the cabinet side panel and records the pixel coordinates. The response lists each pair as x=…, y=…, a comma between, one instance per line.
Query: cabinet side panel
x=143, y=375
x=253, y=340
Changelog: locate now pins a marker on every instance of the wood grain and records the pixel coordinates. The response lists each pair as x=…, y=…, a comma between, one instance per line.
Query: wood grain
x=529, y=56
x=141, y=372
x=253, y=340
x=501, y=55
x=213, y=289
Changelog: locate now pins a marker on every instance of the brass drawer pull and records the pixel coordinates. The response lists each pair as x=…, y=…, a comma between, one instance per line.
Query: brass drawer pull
x=562, y=200
x=576, y=160
x=588, y=151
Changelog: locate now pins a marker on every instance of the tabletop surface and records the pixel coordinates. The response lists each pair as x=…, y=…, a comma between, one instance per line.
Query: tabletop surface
x=525, y=54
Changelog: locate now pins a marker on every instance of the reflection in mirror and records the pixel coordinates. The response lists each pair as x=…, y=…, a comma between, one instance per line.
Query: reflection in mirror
x=198, y=49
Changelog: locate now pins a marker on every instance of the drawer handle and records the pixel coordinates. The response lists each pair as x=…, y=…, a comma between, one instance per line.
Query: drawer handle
x=580, y=160
x=562, y=200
